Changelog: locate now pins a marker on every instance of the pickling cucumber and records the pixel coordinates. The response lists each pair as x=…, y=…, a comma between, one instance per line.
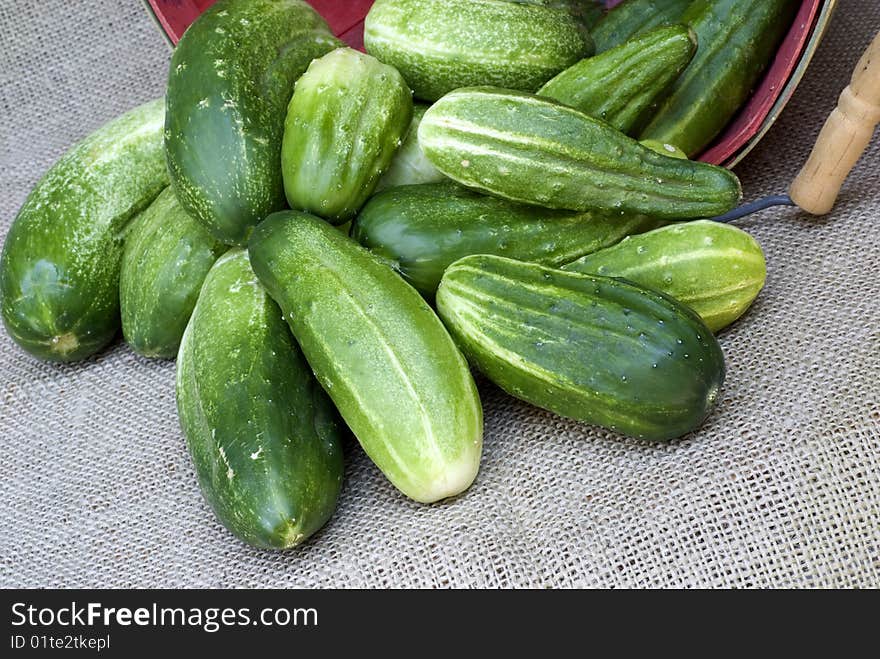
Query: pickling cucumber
x=441, y=45
x=422, y=229
x=230, y=81
x=409, y=165
x=380, y=352
x=715, y=269
x=738, y=39
x=263, y=436
x=536, y=151
x=59, y=272
x=632, y=17
x=591, y=348
x=624, y=84
x=347, y=117
x=166, y=258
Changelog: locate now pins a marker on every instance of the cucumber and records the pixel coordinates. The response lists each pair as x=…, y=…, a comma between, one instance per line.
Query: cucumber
x=534, y=150
x=422, y=229
x=409, y=166
x=263, y=436
x=632, y=17
x=621, y=85
x=231, y=77
x=441, y=45
x=665, y=149
x=591, y=348
x=59, y=272
x=738, y=39
x=715, y=269
x=347, y=117
x=166, y=258
x=380, y=352
x=588, y=12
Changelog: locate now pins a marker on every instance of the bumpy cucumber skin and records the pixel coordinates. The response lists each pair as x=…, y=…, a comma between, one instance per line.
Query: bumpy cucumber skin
x=409, y=165
x=263, y=436
x=231, y=77
x=422, y=229
x=380, y=352
x=715, y=269
x=624, y=84
x=59, y=272
x=534, y=150
x=441, y=45
x=166, y=258
x=738, y=39
x=595, y=349
x=633, y=17
x=347, y=118
x=588, y=12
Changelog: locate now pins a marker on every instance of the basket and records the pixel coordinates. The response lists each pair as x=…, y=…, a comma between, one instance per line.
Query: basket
x=741, y=136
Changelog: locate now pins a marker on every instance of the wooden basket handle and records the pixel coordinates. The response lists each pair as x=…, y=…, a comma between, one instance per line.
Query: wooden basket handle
x=843, y=139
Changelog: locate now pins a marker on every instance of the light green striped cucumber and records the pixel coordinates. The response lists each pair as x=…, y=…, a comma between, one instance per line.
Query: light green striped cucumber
x=422, y=229
x=59, y=273
x=347, y=117
x=263, y=436
x=536, y=151
x=230, y=81
x=595, y=349
x=624, y=84
x=380, y=352
x=632, y=17
x=738, y=39
x=166, y=258
x=715, y=269
x=441, y=45
x=588, y=12
x=410, y=166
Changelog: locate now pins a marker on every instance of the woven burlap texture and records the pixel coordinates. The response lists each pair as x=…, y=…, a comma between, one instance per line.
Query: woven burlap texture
x=780, y=488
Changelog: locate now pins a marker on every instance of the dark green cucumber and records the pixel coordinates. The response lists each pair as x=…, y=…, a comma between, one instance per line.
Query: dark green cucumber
x=410, y=166
x=738, y=39
x=347, y=117
x=595, y=349
x=381, y=353
x=715, y=269
x=422, y=229
x=59, y=272
x=536, y=151
x=632, y=17
x=231, y=77
x=625, y=83
x=166, y=258
x=441, y=45
x=263, y=436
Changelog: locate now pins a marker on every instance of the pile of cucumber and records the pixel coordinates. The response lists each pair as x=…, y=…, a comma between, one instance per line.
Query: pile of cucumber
x=320, y=252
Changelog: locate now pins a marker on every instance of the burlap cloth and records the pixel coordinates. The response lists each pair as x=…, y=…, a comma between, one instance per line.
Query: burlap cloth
x=780, y=488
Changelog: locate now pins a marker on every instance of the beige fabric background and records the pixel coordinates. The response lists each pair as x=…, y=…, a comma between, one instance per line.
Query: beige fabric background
x=781, y=488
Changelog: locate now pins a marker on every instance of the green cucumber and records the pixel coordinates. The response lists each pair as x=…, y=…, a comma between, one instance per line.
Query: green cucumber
x=263, y=436
x=410, y=166
x=665, y=149
x=347, y=117
x=738, y=39
x=441, y=45
x=625, y=83
x=422, y=229
x=59, y=272
x=591, y=348
x=588, y=12
x=166, y=258
x=715, y=269
x=536, y=151
x=381, y=353
x=632, y=17
x=231, y=77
